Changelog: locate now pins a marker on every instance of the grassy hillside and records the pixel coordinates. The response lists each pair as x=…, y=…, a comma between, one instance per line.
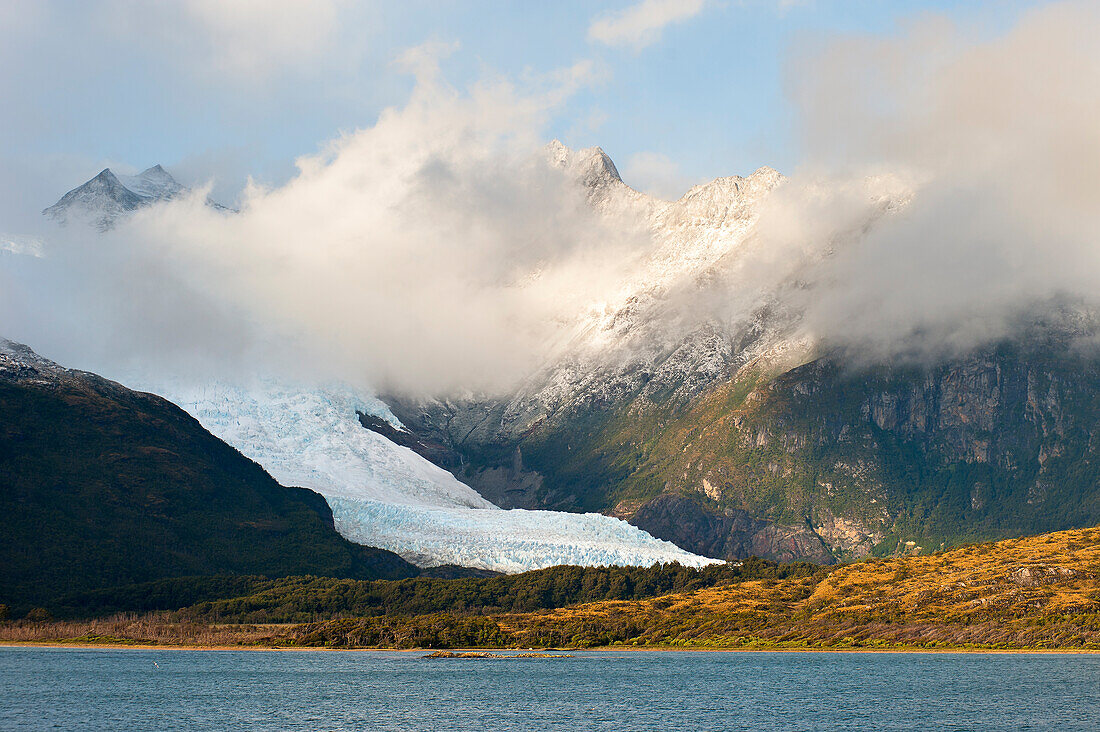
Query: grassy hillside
x=1040, y=592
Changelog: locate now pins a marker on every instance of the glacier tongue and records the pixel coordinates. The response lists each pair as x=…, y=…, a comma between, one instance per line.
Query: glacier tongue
x=387, y=496
x=505, y=541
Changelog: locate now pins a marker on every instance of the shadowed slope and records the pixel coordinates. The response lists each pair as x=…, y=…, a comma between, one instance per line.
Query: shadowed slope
x=102, y=486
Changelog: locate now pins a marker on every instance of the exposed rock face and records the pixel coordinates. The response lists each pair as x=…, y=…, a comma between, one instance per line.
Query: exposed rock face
x=847, y=534
x=103, y=199
x=429, y=450
x=730, y=536
x=1038, y=575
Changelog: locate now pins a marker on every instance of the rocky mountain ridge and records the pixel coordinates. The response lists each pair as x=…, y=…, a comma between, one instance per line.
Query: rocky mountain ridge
x=681, y=419
x=107, y=197
x=732, y=430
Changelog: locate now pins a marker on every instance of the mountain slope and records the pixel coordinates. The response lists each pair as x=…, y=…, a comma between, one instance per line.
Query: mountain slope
x=103, y=486
x=903, y=459
x=382, y=493
x=103, y=199
x=107, y=197
x=732, y=431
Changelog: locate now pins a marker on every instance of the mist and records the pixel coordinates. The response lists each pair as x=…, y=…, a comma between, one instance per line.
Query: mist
x=950, y=184
x=989, y=154
x=436, y=251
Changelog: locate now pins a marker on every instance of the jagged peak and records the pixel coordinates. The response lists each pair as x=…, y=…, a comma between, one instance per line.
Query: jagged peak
x=106, y=176
x=762, y=179
x=155, y=172
x=591, y=164
x=768, y=174
x=154, y=182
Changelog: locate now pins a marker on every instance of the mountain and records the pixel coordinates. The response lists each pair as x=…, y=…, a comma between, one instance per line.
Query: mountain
x=731, y=432
x=103, y=486
x=154, y=183
x=107, y=197
x=724, y=428
x=103, y=199
x=347, y=445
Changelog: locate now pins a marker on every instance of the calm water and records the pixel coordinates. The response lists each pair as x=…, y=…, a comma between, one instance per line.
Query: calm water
x=236, y=690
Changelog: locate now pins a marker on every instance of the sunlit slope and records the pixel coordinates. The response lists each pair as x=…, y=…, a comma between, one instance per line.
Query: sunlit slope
x=1038, y=591
x=1035, y=592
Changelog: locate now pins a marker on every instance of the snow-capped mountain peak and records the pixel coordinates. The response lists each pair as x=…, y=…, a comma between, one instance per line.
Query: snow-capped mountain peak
x=592, y=166
x=101, y=200
x=154, y=182
x=107, y=197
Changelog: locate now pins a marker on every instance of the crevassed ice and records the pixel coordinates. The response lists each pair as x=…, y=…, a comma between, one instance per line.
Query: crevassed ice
x=312, y=438
x=387, y=496
x=505, y=541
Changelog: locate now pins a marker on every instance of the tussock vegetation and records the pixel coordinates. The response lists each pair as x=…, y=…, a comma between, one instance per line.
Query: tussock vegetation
x=1032, y=593
x=1038, y=592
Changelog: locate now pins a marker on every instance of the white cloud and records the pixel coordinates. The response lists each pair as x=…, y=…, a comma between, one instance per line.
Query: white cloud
x=641, y=25
x=238, y=39
x=994, y=141
x=436, y=250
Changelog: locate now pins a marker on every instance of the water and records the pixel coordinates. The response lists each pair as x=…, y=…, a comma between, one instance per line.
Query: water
x=240, y=690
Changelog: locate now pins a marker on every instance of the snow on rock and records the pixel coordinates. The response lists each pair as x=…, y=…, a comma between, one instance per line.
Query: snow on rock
x=387, y=496
x=108, y=197
x=155, y=183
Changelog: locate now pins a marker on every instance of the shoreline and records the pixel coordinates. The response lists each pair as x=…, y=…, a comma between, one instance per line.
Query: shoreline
x=603, y=649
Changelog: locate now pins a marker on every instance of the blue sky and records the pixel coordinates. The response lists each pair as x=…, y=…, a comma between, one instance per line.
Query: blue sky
x=237, y=88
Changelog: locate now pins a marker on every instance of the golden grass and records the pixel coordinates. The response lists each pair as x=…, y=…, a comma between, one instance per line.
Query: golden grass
x=1040, y=592
x=1034, y=592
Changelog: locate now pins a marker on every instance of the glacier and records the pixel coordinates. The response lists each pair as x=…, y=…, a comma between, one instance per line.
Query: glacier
x=386, y=495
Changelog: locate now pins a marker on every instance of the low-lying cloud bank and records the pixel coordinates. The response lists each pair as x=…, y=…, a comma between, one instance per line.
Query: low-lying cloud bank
x=950, y=185
x=996, y=141
x=438, y=250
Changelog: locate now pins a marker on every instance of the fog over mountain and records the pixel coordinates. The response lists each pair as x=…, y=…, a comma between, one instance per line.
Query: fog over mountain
x=949, y=187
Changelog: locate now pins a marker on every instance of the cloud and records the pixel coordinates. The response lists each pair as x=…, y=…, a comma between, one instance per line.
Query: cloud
x=984, y=147
x=949, y=189
x=641, y=25
x=437, y=250
x=246, y=40
x=423, y=61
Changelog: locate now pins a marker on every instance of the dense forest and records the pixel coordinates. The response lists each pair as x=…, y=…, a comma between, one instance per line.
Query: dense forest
x=310, y=598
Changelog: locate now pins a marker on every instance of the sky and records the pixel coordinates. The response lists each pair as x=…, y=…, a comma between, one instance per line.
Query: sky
x=676, y=91
x=400, y=223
